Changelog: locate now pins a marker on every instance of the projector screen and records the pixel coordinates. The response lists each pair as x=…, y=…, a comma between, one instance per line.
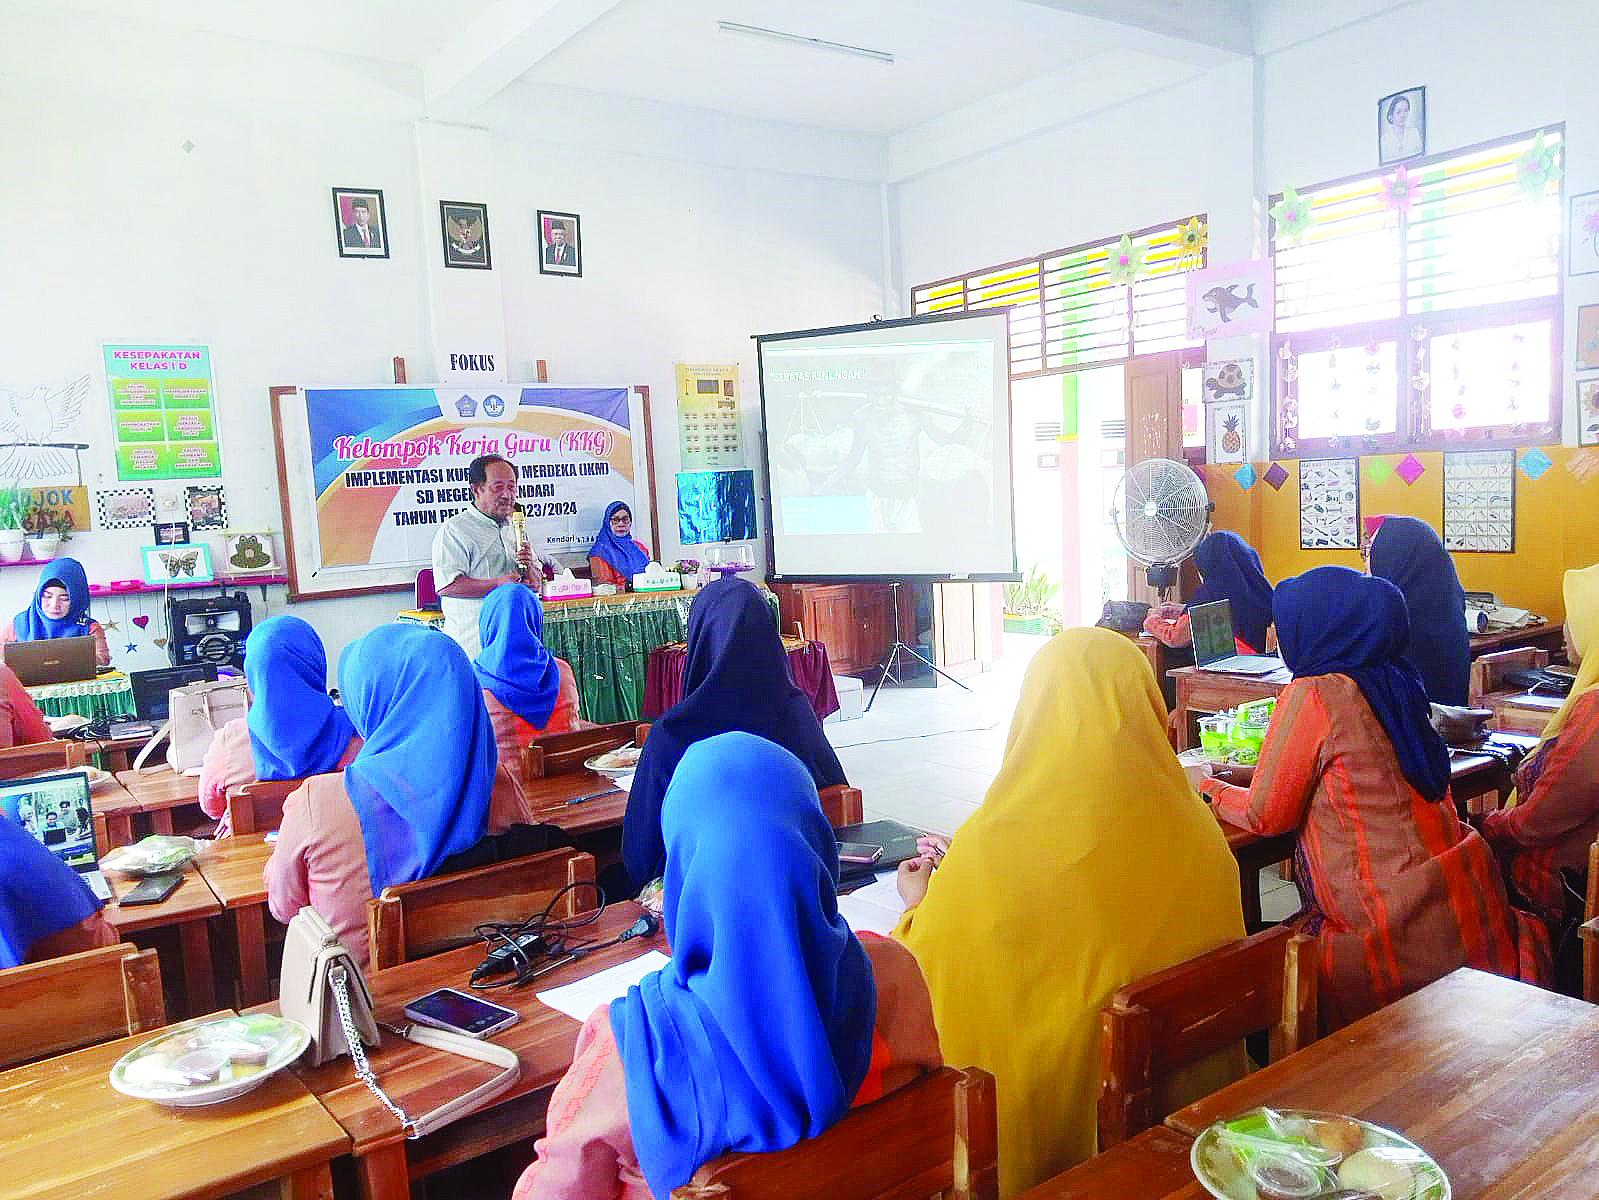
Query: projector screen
x=888, y=450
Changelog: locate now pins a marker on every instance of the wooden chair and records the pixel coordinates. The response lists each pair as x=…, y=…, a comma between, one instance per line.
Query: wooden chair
x=841, y=805
x=566, y=752
x=17, y=761
x=936, y=1136
x=414, y=920
x=77, y=1000
x=1166, y=1021
x=1488, y=672
x=1590, y=930
x=258, y=807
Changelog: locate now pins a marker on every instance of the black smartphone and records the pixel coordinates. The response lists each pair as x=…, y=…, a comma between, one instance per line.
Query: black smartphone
x=153, y=889
x=460, y=1013
x=859, y=852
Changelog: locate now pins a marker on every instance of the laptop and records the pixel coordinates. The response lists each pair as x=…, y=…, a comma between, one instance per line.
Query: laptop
x=55, y=809
x=152, y=696
x=55, y=660
x=1214, y=649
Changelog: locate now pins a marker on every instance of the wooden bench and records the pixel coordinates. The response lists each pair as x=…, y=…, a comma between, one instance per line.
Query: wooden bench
x=77, y=1000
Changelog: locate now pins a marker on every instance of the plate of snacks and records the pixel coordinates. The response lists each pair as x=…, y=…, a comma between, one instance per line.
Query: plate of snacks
x=1291, y=1154
x=209, y=1062
x=613, y=764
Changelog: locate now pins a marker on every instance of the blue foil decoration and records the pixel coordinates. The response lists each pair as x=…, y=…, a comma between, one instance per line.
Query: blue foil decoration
x=715, y=506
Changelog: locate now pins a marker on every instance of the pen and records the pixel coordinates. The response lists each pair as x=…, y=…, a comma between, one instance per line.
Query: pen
x=594, y=795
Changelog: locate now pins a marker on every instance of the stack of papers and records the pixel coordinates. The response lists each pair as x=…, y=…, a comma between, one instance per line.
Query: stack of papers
x=875, y=908
x=578, y=1000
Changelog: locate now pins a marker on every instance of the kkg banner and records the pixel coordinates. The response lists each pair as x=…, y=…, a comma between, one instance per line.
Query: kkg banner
x=373, y=472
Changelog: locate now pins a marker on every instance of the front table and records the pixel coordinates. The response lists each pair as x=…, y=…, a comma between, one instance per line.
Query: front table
x=69, y=1135
x=1200, y=693
x=1495, y=1079
x=234, y=868
x=419, y=1079
x=188, y=910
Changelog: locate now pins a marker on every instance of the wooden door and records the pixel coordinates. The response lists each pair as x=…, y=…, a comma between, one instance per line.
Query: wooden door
x=1154, y=398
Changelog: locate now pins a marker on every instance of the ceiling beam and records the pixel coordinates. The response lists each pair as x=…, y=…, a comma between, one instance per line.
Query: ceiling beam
x=1205, y=33
x=499, y=47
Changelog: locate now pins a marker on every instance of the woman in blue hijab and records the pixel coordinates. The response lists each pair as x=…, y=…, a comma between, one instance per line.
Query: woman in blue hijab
x=45, y=907
x=418, y=793
x=60, y=609
x=528, y=692
x=771, y=1018
x=616, y=556
x=1407, y=553
x=293, y=729
x=1230, y=570
x=735, y=676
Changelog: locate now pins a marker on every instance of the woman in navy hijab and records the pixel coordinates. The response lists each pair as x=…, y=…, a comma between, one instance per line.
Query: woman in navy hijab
x=735, y=676
x=616, y=555
x=1408, y=554
x=60, y=609
x=1230, y=570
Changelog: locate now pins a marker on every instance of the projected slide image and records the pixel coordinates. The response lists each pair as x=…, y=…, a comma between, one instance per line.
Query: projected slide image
x=882, y=439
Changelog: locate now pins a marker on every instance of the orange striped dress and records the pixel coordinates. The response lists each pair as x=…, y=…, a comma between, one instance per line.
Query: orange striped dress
x=1557, y=817
x=1397, y=890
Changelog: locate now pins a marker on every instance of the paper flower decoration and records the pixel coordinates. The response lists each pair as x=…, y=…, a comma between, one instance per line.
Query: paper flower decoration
x=1191, y=236
x=1399, y=191
x=1126, y=261
x=1536, y=169
x=1291, y=216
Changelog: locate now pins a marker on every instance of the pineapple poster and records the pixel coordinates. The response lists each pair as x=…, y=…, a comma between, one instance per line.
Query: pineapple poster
x=1229, y=389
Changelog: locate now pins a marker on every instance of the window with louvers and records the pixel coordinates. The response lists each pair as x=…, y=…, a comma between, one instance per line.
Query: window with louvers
x=1432, y=322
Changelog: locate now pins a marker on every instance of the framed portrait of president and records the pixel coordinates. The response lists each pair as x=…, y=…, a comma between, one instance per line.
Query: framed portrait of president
x=359, y=225
x=560, y=244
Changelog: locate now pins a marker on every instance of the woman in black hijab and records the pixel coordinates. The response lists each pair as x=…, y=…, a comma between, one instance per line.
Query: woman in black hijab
x=735, y=677
x=1407, y=553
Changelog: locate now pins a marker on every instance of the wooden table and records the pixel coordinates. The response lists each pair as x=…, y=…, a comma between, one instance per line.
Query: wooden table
x=418, y=1079
x=580, y=802
x=69, y=1135
x=187, y=911
x=1151, y=1166
x=117, y=754
x=234, y=869
x=1521, y=712
x=1200, y=693
x=1495, y=1079
x=1255, y=853
x=159, y=792
x=114, y=811
x=1547, y=636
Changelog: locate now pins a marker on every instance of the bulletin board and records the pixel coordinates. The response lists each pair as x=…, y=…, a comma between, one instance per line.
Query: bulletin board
x=367, y=474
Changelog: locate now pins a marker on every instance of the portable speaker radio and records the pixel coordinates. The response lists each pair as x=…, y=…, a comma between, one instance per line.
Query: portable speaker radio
x=208, y=629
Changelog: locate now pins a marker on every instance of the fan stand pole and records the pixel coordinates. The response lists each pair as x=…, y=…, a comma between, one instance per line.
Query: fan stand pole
x=885, y=668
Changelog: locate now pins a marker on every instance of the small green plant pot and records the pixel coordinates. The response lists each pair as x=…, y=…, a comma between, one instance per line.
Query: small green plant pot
x=1020, y=624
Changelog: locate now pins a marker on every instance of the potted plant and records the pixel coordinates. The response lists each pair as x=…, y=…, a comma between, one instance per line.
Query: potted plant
x=689, y=569
x=45, y=531
x=1028, y=606
x=12, y=507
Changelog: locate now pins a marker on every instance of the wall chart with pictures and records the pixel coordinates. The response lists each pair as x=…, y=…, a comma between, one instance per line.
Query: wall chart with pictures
x=1329, y=504
x=1480, y=501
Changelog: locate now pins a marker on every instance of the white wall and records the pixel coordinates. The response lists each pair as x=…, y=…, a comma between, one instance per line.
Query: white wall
x=174, y=187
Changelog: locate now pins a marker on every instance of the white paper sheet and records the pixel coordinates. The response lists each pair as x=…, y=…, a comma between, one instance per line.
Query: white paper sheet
x=578, y=1000
x=625, y=782
x=875, y=908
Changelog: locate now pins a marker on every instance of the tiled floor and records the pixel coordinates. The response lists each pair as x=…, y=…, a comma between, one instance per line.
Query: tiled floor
x=925, y=756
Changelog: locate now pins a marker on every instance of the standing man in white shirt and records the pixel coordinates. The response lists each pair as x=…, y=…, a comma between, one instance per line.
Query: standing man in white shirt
x=473, y=551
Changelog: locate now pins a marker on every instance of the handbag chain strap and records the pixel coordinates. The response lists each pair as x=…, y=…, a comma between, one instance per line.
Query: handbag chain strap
x=339, y=979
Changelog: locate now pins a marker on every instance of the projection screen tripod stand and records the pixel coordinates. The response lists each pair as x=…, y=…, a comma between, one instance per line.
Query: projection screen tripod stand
x=891, y=657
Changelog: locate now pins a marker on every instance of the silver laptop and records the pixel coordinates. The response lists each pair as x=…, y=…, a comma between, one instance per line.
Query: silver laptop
x=1212, y=627
x=56, y=660
x=55, y=809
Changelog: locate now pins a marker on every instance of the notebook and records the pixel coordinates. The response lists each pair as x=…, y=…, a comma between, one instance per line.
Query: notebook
x=55, y=809
x=898, y=843
x=152, y=694
x=55, y=660
x=1214, y=648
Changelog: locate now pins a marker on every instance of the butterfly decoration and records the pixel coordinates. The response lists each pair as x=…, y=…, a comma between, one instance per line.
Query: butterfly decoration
x=180, y=564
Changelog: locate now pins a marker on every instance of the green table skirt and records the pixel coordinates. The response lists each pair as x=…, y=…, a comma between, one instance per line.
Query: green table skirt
x=108, y=698
x=609, y=648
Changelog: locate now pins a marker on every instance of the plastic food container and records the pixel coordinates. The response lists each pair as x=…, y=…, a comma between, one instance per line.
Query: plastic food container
x=209, y=1062
x=1214, y=732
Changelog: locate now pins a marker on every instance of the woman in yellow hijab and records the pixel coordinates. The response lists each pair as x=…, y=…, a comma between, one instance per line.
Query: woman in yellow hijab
x=1090, y=864
x=1554, y=816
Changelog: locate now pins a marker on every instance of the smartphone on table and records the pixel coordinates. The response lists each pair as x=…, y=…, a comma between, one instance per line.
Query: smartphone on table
x=859, y=852
x=153, y=889
x=461, y=1013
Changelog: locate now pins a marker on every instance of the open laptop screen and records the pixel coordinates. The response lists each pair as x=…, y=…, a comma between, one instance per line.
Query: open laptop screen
x=54, y=809
x=152, y=690
x=1212, y=628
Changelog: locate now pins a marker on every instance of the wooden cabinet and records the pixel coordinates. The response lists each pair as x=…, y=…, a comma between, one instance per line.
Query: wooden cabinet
x=856, y=623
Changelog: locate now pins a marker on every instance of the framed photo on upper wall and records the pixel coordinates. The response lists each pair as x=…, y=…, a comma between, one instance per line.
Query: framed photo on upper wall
x=362, y=229
x=560, y=244
x=466, y=234
x=1584, y=233
x=1402, y=126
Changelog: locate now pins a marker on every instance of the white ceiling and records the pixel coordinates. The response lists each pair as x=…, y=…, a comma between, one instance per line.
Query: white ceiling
x=949, y=54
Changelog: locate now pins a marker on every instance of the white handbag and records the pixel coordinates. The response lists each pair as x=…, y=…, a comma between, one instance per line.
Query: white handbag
x=323, y=990
x=194, y=715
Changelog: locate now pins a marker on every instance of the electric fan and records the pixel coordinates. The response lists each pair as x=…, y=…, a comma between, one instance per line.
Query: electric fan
x=1161, y=512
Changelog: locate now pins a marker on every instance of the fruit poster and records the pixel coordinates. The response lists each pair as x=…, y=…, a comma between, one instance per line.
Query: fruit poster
x=1329, y=504
x=1229, y=388
x=1480, y=501
x=163, y=416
